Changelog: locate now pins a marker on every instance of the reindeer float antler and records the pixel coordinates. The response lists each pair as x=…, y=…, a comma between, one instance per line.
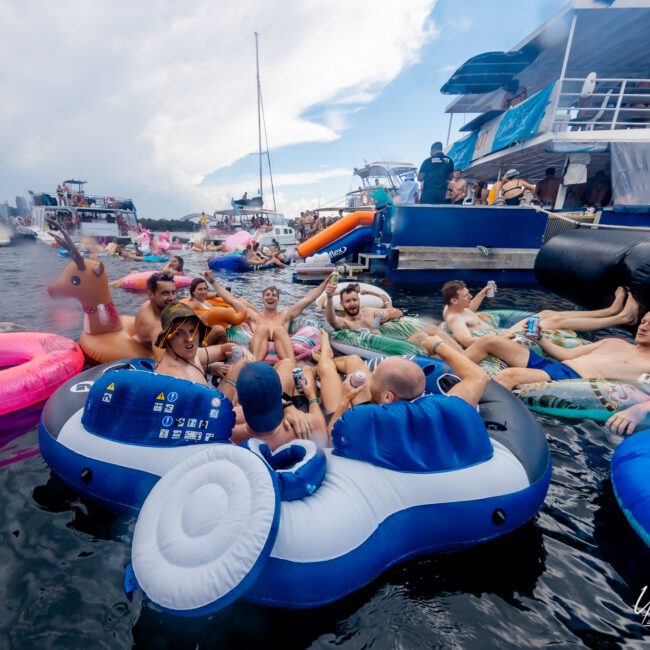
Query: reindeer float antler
x=66, y=242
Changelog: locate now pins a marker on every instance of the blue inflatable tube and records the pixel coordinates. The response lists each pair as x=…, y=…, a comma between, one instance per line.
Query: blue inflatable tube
x=154, y=258
x=630, y=471
x=235, y=262
x=355, y=241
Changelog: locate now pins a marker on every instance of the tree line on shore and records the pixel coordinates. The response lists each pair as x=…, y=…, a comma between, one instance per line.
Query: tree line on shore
x=162, y=225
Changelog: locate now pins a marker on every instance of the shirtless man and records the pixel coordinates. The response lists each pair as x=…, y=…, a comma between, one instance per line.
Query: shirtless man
x=461, y=317
x=363, y=318
x=547, y=189
x=183, y=341
x=161, y=290
x=457, y=188
x=356, y=317
x=611, y=358
x=269, y=324
x=264, y=406
x=396, y=379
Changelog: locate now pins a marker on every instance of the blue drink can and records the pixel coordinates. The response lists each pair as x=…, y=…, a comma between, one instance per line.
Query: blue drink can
x=297, y=377
x=533, y=326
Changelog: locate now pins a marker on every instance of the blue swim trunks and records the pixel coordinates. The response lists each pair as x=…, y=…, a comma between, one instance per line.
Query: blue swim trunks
x=554, y=369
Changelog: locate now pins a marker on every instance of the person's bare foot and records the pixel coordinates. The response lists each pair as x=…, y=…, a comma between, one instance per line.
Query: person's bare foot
x=619, y=300
x=315, y=355
x=630, y=313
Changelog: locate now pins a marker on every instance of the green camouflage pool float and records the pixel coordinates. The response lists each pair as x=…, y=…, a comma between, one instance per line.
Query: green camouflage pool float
x=583, y=399
x=369, y=346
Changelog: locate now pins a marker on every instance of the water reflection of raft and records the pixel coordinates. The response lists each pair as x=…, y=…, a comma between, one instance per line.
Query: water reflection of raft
x=584, y=399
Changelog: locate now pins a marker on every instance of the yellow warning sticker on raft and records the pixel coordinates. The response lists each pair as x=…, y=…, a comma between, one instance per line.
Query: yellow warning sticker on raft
x=111, y=386
x=161, y=396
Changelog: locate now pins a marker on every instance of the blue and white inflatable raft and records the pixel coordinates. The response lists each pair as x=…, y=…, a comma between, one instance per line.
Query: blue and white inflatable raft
x=298, y=528
x=630, y=471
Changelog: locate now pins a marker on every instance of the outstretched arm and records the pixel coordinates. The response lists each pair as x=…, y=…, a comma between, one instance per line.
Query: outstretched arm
x=228, y=297
x=336, y=322
x=564, y=354
x=478, y=299
x=474, y=380
x=301, y=305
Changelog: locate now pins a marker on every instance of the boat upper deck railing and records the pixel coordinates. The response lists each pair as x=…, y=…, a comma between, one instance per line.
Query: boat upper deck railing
x=594, y=104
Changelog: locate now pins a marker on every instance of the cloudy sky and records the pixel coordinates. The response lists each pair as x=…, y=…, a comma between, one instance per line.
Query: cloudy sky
x=156, y=99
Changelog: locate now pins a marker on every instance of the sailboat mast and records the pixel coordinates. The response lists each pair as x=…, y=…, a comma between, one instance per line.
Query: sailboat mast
x=259, y=111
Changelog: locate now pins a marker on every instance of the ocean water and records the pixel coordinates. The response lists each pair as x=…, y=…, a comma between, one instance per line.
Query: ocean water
x=570, y=578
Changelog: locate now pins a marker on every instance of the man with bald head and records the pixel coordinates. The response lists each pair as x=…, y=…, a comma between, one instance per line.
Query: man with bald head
x=398, y=379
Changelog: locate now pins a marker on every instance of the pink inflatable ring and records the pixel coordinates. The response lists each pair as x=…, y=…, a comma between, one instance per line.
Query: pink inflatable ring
x=35, y=365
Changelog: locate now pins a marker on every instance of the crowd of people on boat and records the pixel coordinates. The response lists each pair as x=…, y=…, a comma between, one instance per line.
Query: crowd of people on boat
x=442, y=183
x=312, y=222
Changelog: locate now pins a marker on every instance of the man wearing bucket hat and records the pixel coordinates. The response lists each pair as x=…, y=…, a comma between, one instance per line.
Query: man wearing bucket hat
x=183, y=342
x=511, y=188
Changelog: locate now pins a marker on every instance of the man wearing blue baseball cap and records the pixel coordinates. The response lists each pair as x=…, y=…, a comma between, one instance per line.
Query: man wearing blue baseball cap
x=268, y=412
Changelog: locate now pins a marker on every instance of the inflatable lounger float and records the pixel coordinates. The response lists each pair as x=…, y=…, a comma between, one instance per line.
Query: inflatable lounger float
x=504, y=319
x=630, y=469
x=584, y=399
x=304, y=336
x=269, y=527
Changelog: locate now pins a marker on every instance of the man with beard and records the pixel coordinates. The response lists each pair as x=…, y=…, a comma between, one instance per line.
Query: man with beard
x=269, y=324
x=357, y=318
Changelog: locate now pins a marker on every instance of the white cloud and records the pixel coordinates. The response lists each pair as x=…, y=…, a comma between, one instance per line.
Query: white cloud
x=152, y=96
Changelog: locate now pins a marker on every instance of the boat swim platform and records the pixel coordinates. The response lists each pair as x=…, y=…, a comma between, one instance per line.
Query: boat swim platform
x=421, y=258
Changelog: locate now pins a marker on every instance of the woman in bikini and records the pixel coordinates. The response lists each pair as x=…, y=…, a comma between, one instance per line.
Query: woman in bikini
x=511, y=188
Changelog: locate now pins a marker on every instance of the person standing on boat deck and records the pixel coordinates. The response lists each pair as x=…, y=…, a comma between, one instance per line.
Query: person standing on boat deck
x=547, y=189
x=408, y=190
x=457, y=188
x=60, y=194
x=512, y=188
x=434, y=175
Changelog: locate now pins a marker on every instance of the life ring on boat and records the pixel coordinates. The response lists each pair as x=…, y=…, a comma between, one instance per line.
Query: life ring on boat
x=365, y=300
x=584, y=399
x=113, y=346
x=630, y=469
x=137, y=282
x=303, y=333
x=34, y=365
